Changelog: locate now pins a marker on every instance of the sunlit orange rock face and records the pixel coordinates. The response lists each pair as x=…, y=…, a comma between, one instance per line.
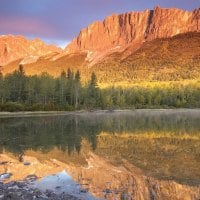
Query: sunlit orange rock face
x=117, y=32
x=99, y=175
x=16, y=47
x=124, y=33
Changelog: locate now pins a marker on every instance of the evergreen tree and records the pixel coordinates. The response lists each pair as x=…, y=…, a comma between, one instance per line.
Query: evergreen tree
x=1, y=85
x=70, y=87
x=77, y=88
x=93, y=94
x=62, y=87
x=22, y=84
x=93, y=81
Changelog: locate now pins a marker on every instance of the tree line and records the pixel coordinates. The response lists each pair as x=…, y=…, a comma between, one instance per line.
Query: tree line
x=19, y=92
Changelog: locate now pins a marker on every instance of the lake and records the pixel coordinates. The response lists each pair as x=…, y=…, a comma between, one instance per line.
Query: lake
x=142, y=154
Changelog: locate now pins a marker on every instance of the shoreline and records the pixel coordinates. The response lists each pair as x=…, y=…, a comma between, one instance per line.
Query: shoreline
x=22, y=190
x=83, y=112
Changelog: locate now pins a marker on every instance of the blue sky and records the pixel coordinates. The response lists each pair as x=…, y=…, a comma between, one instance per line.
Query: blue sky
x=58, y=21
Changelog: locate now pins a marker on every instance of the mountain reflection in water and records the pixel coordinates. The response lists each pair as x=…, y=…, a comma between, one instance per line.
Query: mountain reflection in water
x=165, y=145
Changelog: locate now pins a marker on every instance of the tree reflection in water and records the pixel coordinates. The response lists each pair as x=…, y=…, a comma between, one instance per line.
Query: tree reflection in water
x=163, y=143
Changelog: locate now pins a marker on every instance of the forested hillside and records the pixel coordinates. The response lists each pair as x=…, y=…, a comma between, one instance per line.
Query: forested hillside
x=169, y=59
x=164, y=73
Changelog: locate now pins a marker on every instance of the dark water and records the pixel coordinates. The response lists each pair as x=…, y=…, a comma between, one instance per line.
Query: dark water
x=164, y=144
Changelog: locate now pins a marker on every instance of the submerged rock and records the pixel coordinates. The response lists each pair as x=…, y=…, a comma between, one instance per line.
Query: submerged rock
x=5, y=176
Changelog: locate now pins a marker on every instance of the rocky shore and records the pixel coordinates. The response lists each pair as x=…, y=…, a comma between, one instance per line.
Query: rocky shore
x=21, y=191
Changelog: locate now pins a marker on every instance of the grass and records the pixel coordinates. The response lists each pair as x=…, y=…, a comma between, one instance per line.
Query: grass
x=152, y=135
x=149, y=84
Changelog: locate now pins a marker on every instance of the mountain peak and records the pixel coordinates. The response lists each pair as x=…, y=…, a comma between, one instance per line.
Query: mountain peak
x=17, y=47
x=118, y=32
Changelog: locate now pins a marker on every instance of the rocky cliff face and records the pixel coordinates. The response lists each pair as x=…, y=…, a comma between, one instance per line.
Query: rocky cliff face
x=16, y=47
x=117, y=32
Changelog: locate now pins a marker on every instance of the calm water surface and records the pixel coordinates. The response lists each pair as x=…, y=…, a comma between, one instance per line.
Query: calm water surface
x=165, y=145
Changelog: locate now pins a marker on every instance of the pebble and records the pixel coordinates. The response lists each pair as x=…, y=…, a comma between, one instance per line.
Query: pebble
x=5, y=176
x=20, y=191
x=84, y=190
x=27, y=163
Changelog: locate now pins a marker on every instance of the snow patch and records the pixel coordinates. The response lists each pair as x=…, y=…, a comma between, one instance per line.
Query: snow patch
x=90, y=56
x=29, y=60
x=117, y=47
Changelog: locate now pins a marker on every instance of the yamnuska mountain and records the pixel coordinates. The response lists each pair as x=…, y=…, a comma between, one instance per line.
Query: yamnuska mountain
x=160, y=44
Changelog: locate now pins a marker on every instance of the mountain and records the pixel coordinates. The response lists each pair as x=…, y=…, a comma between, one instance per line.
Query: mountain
x=16, y=47
x=153, y=45
x=118, y=32
x=175, y=58
x=166, y=59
